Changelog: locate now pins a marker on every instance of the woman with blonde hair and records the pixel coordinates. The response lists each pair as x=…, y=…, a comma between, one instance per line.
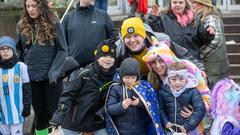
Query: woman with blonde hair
x=42, y=46
x=214, y=54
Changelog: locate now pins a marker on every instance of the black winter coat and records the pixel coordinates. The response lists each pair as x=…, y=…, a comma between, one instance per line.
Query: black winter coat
x=81, y=103
x=191, y=37
x=130, y=121
x=85, y=28
x=45, y=62
x=170, y=107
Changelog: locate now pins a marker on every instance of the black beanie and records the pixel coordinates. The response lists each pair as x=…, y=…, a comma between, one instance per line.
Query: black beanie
x=130, y=66
x=106, y=48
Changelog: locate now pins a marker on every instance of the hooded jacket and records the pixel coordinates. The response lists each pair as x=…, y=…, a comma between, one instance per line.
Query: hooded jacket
x=171, y=106
x=85, y=28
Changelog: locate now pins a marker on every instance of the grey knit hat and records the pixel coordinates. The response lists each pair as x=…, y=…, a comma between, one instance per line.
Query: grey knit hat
x=130, y=66
x=8, y=41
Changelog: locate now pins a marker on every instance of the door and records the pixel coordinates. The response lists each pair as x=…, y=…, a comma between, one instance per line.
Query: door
x=234, y=4
x=229, y=5
x=115, y=7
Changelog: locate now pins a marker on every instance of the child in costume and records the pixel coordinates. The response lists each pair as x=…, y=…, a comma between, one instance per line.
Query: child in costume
x=15, y=90
x=226, y=108
x=179, y=92
x=132, y=103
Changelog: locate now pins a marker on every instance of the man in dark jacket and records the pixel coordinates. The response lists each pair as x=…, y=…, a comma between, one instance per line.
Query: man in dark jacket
x=81, y=104
x=84, y=28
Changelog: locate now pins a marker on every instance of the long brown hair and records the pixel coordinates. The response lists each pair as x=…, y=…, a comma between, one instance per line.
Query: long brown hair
x=154, y=79
x=47, y=21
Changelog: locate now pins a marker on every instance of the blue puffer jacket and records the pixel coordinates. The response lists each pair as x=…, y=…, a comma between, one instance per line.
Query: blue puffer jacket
x=171, y=106
x=130, y=121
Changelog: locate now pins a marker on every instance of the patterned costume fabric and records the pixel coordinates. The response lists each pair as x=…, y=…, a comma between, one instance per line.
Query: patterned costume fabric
x=148, y=97
x=225, y=102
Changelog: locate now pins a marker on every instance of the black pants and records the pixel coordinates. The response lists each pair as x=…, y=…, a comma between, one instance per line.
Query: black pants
x=44, y=101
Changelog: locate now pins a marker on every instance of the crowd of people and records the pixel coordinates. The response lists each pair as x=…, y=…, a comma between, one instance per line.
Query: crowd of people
x=160, y=76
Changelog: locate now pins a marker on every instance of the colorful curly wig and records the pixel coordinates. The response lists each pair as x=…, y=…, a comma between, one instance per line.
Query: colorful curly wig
x=225, y=99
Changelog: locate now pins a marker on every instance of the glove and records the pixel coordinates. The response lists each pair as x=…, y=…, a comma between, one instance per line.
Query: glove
x=26, y=112
x=52, y=83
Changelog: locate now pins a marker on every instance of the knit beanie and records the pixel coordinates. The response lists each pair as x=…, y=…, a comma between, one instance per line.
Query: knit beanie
x=133, y=25
x=129, y=66
x=8, y=41
x=205, y=2
x=106, y=48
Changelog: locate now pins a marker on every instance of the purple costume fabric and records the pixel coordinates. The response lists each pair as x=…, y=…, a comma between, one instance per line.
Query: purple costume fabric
x=229, y=129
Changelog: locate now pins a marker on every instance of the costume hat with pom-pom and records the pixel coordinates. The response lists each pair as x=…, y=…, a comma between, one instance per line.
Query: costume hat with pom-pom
x=106, y=48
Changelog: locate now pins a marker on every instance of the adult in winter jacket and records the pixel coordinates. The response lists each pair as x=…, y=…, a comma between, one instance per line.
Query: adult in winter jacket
x=136, y=39
x=81, y=104
x=42, y=46
x=85, y=27
x=183, y=28
x=179, y=92
x=214, y=54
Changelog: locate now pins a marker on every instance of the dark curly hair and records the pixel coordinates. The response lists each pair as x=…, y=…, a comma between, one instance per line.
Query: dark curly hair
x=46, y=28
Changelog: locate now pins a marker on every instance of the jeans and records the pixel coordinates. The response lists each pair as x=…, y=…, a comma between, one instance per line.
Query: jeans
x=101, y=4
x=98, y=132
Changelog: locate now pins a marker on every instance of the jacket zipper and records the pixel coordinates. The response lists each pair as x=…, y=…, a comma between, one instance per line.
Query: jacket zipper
x=74, y=113
x=175, y=112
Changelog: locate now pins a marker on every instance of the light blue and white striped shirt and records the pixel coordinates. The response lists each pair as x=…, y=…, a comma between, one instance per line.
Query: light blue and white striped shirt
x=11, y=93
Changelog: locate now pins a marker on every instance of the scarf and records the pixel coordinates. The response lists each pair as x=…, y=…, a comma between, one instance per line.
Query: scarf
x=184, y=19
x=104, y=76
x=9, y=63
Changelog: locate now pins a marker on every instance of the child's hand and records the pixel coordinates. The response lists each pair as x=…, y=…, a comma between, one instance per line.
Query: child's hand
x=186, y=112
x=126, y=103
x=183, y=129
x=169, y=125
x=135, y=102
